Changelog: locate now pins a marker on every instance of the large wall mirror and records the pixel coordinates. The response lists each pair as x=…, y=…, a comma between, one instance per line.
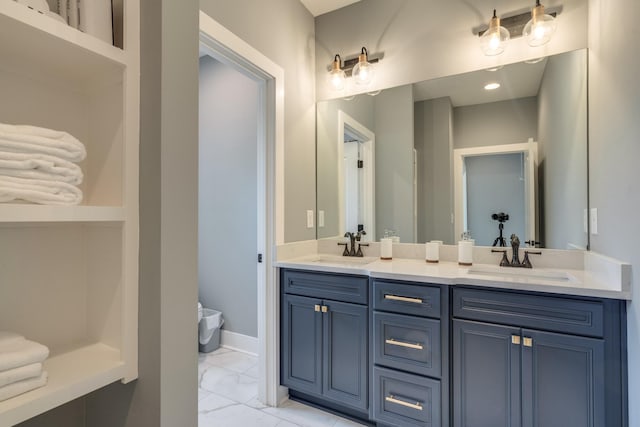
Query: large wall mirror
x=492, y=152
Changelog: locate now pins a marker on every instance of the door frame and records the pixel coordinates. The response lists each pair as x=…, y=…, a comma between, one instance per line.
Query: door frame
x=369, y=196
x=530, y=151
x=231, y=50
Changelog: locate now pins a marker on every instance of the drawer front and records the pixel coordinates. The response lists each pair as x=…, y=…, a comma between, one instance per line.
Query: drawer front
x=532, y=311
x=402, y=399
x=408, y=343
x=336, y=287
x=419, y=300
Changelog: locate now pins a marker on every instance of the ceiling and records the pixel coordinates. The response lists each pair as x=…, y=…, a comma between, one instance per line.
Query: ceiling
x=320, y=7
x=518, y=80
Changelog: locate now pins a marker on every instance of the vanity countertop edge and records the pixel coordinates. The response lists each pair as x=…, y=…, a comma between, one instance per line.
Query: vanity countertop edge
x=581, y=283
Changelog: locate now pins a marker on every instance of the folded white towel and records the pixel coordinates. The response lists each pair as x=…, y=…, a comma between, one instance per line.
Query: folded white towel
x=39, y=166
x=39, y=191
x=23, y=386
x=32, y=139
x=21, y=353
x=11, y=376
x=7, y=337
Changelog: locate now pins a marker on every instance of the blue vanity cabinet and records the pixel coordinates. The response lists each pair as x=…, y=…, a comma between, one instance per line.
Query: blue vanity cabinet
x=324, y=341
x=544, y=361
x=410, y=342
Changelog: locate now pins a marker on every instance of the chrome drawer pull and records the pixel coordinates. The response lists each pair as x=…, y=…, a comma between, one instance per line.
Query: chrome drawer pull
x=403, y=299
x=416, y=346
x=392, y=399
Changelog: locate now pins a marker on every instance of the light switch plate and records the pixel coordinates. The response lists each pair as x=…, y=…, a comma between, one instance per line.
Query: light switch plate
x=594, y=221
x=309, y=219
x=320, y=218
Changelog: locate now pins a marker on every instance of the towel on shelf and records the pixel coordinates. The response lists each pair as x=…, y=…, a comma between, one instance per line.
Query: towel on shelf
x=39, y=166
x=21, y=353
x=7, y=337
x=33, y=139
x=23, y=386
x=39, y=191
x=11, y=376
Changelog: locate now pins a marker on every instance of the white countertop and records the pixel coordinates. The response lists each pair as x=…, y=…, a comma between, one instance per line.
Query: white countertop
x=559, y=281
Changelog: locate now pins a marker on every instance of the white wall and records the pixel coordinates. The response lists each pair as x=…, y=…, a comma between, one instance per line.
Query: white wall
x=614, y=152
x=227, y=221
x=562, y=154
x=422, y=40
x=283, y=30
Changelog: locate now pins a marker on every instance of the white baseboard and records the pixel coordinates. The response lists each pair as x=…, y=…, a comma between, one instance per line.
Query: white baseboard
x=239, y=342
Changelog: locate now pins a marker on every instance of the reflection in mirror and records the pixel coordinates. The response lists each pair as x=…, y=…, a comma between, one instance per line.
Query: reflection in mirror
x=449, y=156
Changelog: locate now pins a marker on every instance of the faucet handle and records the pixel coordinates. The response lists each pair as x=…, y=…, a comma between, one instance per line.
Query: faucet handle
x=346, y=251
x=504, y=262
x=360, y=245
x=525, y=262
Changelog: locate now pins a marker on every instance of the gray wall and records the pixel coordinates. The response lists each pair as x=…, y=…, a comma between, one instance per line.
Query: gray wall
x=494, y=185
x=496, y=123
x=361, y=109
x=394, y=162
x=283, y=30
x=433, y=143
x=614, y=152
x=227, y=222
x=562, y=155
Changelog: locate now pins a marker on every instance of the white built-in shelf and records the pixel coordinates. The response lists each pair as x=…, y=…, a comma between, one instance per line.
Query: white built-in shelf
x=34, y=43
x=42, y=213
x=71, y=375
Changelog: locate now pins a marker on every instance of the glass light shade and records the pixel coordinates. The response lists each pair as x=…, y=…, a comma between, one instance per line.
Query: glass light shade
x=363, y=71
x=494, y=40
x=337, y=76
x=540, y=27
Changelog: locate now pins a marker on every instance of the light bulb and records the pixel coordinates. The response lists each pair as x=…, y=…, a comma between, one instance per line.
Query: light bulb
x=540, y=27
x=337, y=76
x=494, y=40
x=363, y=71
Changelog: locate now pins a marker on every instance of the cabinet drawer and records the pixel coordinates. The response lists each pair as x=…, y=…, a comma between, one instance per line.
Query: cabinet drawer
x=337, y=287
x=419, y=300
x=541, y=312
x=408, y=343
x=405, y=399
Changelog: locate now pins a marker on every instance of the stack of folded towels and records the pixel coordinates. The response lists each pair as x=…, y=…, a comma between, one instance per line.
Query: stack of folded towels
x=38, y=165
x=20, y=365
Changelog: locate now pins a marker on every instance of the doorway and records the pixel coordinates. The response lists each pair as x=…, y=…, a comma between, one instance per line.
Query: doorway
x=231, y=51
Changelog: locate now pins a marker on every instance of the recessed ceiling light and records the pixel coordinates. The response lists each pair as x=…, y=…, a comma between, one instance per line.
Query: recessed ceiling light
x=491, y=86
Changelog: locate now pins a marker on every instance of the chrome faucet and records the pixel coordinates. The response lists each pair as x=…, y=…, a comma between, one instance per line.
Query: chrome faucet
x=350, y=250
x=515, y=257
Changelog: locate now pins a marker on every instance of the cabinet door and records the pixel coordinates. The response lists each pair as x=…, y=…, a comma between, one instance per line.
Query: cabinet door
x=302, y=344
x=345, y=354
x=562, y=380
x=486, y=375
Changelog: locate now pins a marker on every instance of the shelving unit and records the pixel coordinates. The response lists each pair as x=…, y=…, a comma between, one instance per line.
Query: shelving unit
x=69, y=274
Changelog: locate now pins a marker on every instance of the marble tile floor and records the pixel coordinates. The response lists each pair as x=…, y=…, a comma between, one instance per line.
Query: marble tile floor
x=227, y=397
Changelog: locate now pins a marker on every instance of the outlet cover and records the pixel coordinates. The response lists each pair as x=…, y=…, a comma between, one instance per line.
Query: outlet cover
x=594, y=221
x=309, y=219
x=320, y=218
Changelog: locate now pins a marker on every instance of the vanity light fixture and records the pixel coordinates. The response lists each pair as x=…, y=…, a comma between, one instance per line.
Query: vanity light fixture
x=492, y=86
x=337, y=76
x=540, y=27
x=537, y=26
x=363, y=71
x=494, y=40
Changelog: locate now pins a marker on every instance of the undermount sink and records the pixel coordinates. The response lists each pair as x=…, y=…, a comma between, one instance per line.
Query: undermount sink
x=343, y=260
x=533, y=273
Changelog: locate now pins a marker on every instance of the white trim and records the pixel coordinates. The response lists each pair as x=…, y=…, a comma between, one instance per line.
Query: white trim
x=239, y=342
x=530, y=149
x=369, y=196
x=233, y=51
